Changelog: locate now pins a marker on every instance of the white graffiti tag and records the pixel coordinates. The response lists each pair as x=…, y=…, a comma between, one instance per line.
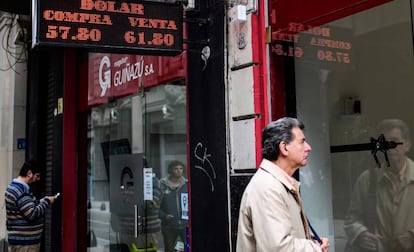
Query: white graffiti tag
x=200, y=153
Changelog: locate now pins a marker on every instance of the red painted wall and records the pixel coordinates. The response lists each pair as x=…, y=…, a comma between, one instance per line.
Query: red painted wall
x=260, y=86
x=69, y=155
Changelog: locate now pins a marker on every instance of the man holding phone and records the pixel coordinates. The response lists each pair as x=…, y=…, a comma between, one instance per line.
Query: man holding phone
x=25, y=214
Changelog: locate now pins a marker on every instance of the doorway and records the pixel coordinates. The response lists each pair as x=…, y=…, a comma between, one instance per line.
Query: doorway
x=131, y=142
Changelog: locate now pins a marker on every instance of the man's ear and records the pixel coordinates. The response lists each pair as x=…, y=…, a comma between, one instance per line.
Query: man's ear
x=282, y=148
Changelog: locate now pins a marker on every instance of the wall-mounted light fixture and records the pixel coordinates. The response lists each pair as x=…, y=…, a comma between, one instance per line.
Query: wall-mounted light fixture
x=237, y=14
x=254, y=4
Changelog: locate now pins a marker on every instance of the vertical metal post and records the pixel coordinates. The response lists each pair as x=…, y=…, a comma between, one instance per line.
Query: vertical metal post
x=136, y=221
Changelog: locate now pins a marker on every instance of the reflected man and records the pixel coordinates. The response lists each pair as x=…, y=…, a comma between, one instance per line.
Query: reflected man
x=380, y=216
x=174, y=206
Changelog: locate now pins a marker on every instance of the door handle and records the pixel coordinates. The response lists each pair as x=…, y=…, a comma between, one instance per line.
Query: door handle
x=136, y=221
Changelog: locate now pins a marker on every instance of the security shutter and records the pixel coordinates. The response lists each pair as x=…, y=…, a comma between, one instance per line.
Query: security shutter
x=53, y=149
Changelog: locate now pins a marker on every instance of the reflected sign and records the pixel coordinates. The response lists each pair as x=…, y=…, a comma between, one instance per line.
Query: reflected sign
x=313, y=43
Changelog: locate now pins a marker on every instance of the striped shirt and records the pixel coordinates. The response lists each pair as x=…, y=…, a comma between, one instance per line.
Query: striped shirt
x=25, y=214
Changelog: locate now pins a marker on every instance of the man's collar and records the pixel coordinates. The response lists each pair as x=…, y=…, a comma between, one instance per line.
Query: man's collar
x=20, y=181
x=277, y=172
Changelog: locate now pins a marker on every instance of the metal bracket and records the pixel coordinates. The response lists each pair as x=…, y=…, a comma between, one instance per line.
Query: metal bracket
x=202, y=42
x=188, y=5
x=245, y=65
x=200, y=21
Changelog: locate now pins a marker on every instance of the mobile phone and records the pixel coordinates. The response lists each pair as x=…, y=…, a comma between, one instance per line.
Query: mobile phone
x=57, y=195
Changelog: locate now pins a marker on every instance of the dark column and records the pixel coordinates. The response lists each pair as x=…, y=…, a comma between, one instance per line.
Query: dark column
x=44, y=134
x=207, y=128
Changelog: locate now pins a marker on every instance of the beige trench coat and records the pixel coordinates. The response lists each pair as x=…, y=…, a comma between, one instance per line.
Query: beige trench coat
x=269, y=216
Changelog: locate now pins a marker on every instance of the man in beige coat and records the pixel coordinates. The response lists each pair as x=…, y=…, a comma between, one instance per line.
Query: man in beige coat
x=271, y=216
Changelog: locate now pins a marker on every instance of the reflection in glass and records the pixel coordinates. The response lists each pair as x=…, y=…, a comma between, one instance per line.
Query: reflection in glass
x=131, y=142
x=348, y=75
x=379, y=217
x=174, y=207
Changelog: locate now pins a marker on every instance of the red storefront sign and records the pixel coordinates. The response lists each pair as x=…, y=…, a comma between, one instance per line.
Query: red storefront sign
x=118, y=75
